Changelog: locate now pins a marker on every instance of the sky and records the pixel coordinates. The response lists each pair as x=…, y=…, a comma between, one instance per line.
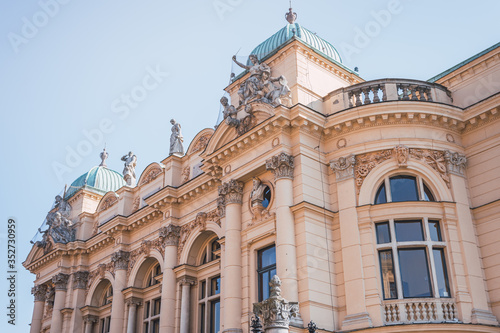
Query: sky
x=68, y=67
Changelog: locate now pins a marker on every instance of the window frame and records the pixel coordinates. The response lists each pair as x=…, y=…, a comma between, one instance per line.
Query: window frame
x=427, y=243
x=420, y=183
x=149, y=318
x=205, y=301
x=262, y=270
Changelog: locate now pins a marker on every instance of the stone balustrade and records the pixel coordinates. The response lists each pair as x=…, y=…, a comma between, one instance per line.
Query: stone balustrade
x=384, y=90
x=419, y=311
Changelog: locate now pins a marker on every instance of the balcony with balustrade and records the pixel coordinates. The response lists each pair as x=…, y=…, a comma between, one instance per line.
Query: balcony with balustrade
x=386, y=90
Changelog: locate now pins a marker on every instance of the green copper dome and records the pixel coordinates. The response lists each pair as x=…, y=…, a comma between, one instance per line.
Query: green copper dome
x=295, y=30
x=99, y=179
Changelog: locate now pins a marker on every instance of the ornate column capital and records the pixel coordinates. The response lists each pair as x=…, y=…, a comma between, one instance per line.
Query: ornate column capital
x=455, y=162
x=276, y=312
x=80, y=279
x=281, y=165
x=90, y=319
x=120, y=259
x=39, y=292
x=60, y=281
x=343, y=167
x=169, y=235
x=133, y=301
x=232, y=191
x=187, y=280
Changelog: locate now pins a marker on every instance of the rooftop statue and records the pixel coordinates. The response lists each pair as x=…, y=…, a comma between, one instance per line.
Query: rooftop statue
x=104, y=156
x=60, y=228
x=129, y=168
x=176, y=139
x=260, y=85
x=229, y=113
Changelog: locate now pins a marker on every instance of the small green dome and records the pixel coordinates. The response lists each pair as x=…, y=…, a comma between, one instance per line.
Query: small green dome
x=295, y=30
x=99, y=179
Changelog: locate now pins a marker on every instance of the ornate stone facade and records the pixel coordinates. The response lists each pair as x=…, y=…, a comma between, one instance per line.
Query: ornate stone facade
x=120, y=259
x=343, y=167
x=281, y=165
x=80, y=279
x=232, y=192
x=60, y=281
x=170, y=234
x=39, y=292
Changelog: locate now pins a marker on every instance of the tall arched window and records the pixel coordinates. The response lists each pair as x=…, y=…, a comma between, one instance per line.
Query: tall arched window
x=152, y=299
x=403, y=188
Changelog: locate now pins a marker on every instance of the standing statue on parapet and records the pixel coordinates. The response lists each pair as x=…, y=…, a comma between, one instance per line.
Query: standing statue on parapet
x=104, y=155
x=129, y=168
x=176, y=139
x=249, y=88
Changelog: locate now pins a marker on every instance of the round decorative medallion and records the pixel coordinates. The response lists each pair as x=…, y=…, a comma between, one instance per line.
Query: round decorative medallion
x=227, y=169
x=341, y=143
x=276, y=141
x=167, y=214
x=450, y=138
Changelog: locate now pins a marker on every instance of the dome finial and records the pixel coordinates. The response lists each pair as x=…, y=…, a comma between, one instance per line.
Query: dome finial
x=291, y=16
x=104, y=156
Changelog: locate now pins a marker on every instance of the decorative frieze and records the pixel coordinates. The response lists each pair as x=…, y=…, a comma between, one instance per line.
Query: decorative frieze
x=39, y=292
x=435, y=159
x=201, y=143
x=343, y=167
x=60, y=281
x=276, y=312
x=80, y=279
x=170, y=234
x=108, y=202
x=232, y=192
x=281, y=166
x=120, y=259
x=366, y=162
x=455, y=162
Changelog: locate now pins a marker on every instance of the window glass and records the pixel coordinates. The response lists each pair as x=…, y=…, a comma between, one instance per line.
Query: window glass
x=267, y=197
x=203, y=286
x=156, y=306
x=408, y=231
x=435, y=231
x=383, y=233
x=403, y=188
x=267, y=257
x=215, y=317
x=215, y=248
x=146, y=309
x=380, y=197
x=155, y=326
x=441, y=274
x=414, y=273
x=266, y=270
x=428, y=194
x=387, y=270
x=202, y=318
x=215, y=286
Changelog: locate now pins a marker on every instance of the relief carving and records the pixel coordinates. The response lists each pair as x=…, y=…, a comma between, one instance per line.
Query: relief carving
x=455, y=162
x=152, y=175
x=108, y=202
x=343, y=167
x=281, y=166
x=201, y=143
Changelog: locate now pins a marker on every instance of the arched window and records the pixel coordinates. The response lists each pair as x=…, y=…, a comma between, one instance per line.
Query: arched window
x=152, y=275
x=403, y=188
x=103, y=300
x=211, y=251
x=412, y=259
x=152, y=299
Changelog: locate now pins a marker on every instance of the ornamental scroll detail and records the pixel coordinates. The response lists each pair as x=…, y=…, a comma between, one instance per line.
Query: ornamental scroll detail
x=436, y=159
x=200, y=221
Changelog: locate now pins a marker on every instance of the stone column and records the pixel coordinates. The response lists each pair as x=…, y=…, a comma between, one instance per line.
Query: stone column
x=186, y=283
x=89, y=323
x=232, y=192
x=36, y=321
x=80, y=280
x=356, y=314
x=170, y=239
x=133, y=303
x=120, y=260
x=480, y=312
x=282, y=166
x=60, y=282
x=275, y=312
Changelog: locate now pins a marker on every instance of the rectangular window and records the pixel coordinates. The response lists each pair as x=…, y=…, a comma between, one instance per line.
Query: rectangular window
x=387, y=271
x=146, y=309
x=414, y=269
x=215, y=316
x=156, y=306
x=155, y=326
x=202, y=318
x=407, y=231
x=441, y=274
x=383, y=233
x=266, y=270
x=435, y=231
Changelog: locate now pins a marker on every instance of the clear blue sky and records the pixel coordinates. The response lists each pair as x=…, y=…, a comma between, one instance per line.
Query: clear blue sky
x=68, y=75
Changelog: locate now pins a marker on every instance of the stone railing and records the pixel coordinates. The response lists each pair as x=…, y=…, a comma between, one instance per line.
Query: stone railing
x=419, y=311
x=387, y=90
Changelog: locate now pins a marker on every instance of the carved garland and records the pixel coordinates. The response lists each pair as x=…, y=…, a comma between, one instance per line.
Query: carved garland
x=201, y=143
x=434, y=158
x=152, y=174
x=200, y=221
x=108, y=202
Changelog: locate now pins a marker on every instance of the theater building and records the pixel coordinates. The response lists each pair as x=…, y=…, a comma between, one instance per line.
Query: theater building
x=377, y=203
